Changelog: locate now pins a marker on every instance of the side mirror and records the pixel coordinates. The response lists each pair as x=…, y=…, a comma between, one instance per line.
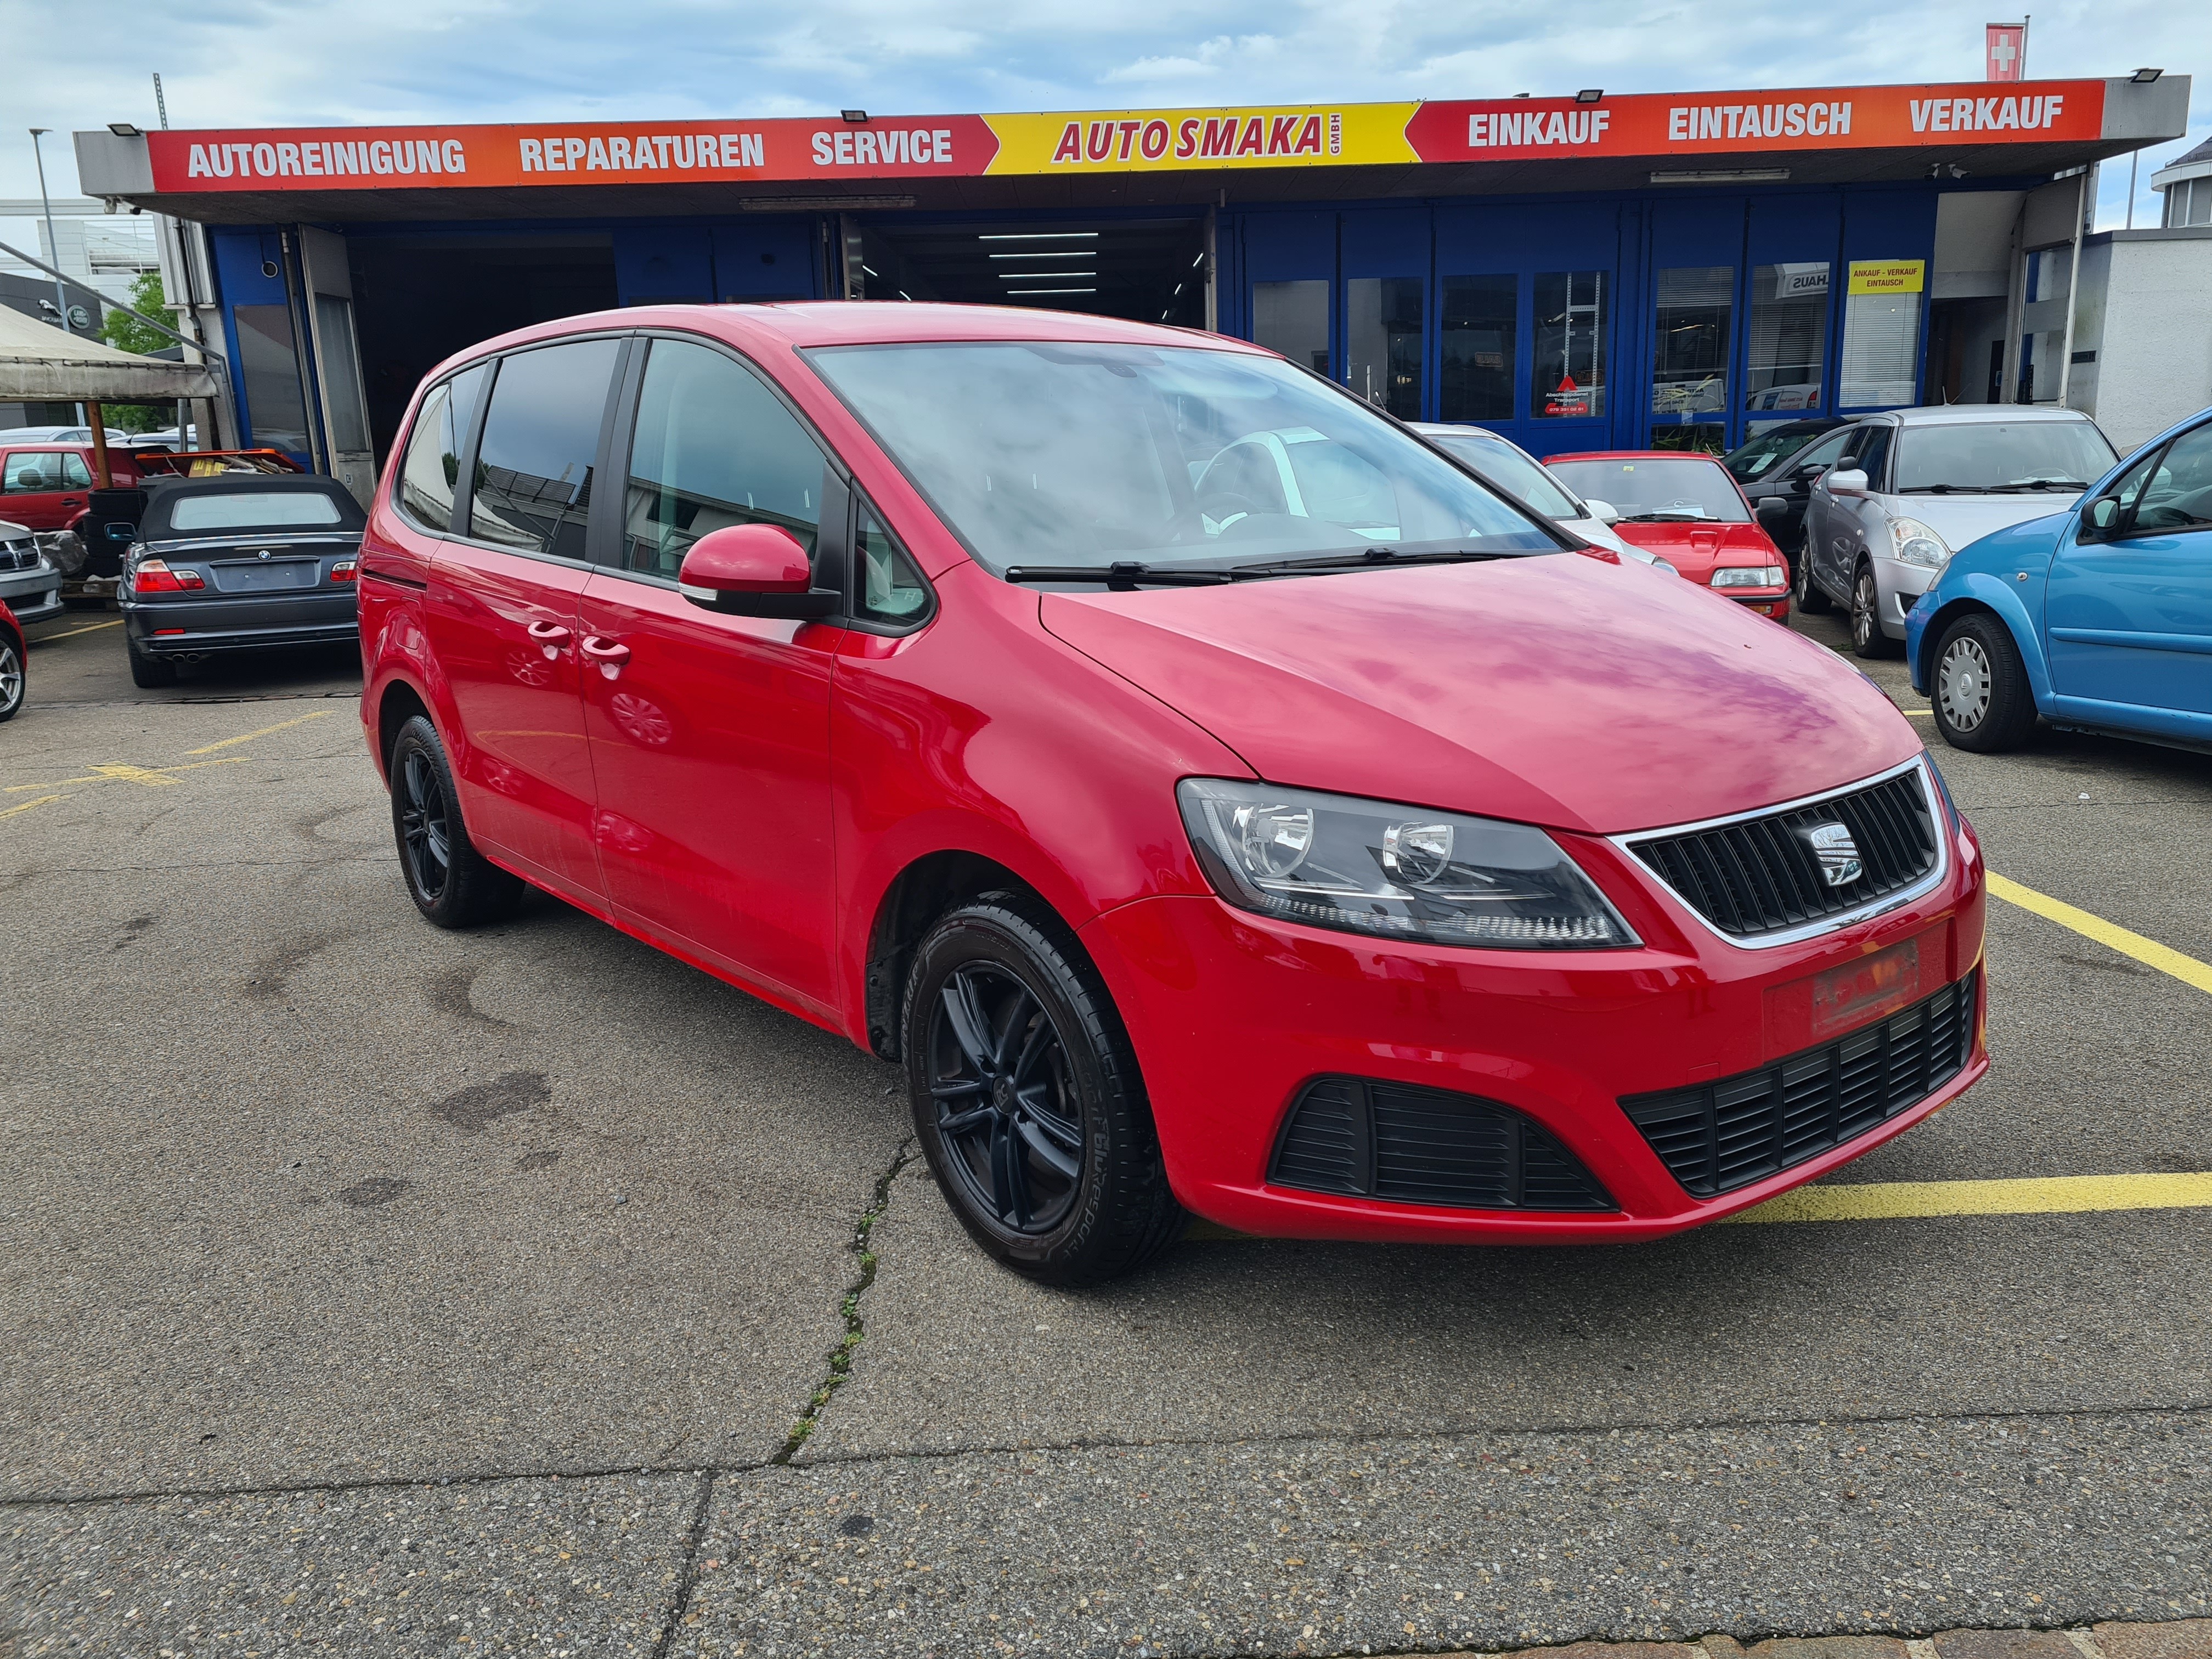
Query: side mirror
x=1772, y=507
x=2103, y=515
x=1603, y=512
x=1852, y=483
x=754, y=570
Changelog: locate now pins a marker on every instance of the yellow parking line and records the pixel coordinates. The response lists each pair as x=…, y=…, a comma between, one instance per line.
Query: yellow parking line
x=71, y=633
x=151, y=776
x=281, y=726
x=41, y=801
x=2148, y=951
x=1886, y=1200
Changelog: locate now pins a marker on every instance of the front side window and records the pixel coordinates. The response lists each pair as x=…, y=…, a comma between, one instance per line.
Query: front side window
x=2180, y=495
x=1764, y=453
x=532, y=489
x=1867, y=452
x=1658, y=489
x=2001, y=458
x=1571, y=321
x=1049, y=453
x=890, y=589
x=712, y=447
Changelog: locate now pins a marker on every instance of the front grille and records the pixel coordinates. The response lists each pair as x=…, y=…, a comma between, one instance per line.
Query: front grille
x=21, y=554
x=1370, y=1140
x=1720, y=1136
x=1761, y=875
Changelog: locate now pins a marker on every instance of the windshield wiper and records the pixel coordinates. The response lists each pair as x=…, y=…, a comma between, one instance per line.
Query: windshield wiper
x=1124, y=574
x=1668, y=518
x=1940, y=489
x=1364, y=561
x=2020, y=486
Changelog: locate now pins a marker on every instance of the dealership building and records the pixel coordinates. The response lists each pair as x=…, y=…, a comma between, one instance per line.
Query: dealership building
x=1592, y=271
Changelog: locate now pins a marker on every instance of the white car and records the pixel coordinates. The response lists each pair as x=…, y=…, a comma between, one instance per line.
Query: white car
x=28, y=581
x=58, y=435
x=1913, y=486
x=1512, y=469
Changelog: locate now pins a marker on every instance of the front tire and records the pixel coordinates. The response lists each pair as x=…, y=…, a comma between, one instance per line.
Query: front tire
x=1812, y=599
x=1867, y=640
x=1027, y=1099
x=148, y=671
x=1982, y=699
x=452, y=884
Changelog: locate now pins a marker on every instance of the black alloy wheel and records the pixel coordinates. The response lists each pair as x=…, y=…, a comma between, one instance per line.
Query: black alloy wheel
x=452, y=883
x=1812, y=599
x=1026, y=1097
x=15, y=678
x=149, y=671
x=1868, y=640
x=1982, y=700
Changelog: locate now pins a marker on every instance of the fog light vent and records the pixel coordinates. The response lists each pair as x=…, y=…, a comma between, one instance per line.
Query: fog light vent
x=1367, y=1139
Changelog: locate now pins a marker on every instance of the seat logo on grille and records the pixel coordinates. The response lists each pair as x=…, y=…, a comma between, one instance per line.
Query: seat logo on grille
x=1838, y=853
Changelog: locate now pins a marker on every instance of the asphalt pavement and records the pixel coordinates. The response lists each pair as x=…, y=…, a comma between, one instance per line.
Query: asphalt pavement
x=369, y=1289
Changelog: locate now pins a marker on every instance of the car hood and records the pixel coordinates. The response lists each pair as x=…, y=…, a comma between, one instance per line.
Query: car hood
x=1962, y=518
x=1694, y=548
x=12, y=531
x=1560, y=691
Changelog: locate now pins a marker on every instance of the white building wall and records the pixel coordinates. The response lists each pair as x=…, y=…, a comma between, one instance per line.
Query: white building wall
x=2154, y=329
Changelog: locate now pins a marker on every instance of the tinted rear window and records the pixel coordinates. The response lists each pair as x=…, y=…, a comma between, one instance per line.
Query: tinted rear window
x=243, y=509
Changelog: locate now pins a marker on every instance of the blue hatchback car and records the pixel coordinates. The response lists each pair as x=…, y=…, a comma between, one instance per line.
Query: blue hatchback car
x=2097, y=619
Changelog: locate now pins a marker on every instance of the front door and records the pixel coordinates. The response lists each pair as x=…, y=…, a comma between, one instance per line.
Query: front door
x=1833, y=533
x=502, y=613
x=2129, y=614
x=43, y=489
x=710, y=733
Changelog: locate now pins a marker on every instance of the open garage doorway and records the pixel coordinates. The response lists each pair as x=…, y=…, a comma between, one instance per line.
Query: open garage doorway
x=1149, y=270
x=418, y=298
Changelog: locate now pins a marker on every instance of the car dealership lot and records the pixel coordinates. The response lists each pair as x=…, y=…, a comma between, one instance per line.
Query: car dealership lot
x=369, y=1287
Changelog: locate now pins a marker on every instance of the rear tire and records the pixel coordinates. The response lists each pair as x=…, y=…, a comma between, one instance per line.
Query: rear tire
x=1027, y=1099
x=1812, y=599
x=1980, y=693
x=1867, y=640
x=148, y=671
x=14, y=677
x=452, y=883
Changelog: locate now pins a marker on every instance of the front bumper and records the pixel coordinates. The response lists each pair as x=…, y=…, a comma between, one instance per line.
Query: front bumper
x=32, y=595
x=1897, y=587
x=1233, y=1014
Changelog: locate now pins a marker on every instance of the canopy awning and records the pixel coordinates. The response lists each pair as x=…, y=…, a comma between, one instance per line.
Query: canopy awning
x=38, y=363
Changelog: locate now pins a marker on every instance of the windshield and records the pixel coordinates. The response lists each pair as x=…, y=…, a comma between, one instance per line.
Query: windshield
x=1512, y=472
x=2000, y=456
x=1048, y=453
x=1758, y=457
x=1657, y=488
x=242, y=509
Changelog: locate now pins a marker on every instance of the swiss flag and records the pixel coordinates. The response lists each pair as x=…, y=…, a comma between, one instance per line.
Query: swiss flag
x=2004, y=52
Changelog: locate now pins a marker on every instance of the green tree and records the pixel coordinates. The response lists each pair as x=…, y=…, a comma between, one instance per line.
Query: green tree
x=126, y=333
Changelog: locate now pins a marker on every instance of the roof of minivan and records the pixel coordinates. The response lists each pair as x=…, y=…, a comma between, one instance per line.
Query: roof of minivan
x=805, y=323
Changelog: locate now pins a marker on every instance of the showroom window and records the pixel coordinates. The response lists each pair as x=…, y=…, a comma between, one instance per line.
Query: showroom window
x=1881, y=334
x=1293, y=318
x=1480, y=323
x=1690, y=355
x=1382, y=342
x=541, y=440
x=1785, y=355
x=269, y=371
x=712, y=447
x=1571, y=313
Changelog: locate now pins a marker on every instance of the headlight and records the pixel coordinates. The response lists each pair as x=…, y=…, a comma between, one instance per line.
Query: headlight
x=1368, y=867
x=1749, y=575
x=1917, y=544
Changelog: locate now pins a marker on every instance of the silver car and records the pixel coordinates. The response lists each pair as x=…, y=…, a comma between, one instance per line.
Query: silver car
x=1512, y=469
x=1912, y=487
x=28, y=581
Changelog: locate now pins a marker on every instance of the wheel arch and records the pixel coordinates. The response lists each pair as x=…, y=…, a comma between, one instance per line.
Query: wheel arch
x=398, y=703
x=1993, y=599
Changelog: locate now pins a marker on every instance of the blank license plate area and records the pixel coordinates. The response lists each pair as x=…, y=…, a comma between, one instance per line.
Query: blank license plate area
x=1823, y=1007
x=258, y=578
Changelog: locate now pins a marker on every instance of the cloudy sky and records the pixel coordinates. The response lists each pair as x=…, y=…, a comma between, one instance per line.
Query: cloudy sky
x=261, y=62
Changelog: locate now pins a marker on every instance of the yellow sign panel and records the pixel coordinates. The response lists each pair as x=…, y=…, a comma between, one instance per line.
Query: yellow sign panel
x=1162, y=140
x=1888, y=276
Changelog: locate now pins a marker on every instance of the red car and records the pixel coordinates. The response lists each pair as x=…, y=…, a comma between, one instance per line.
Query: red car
x=1689, y=510
x=15, y=677
x=49, y=486
x=1343, y=858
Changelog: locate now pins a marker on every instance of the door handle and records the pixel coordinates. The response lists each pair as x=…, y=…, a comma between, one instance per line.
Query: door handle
x=550, y=635
x=609, y=654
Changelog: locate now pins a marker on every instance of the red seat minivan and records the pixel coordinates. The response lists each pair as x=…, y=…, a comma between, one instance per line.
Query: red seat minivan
x=1338, y=852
